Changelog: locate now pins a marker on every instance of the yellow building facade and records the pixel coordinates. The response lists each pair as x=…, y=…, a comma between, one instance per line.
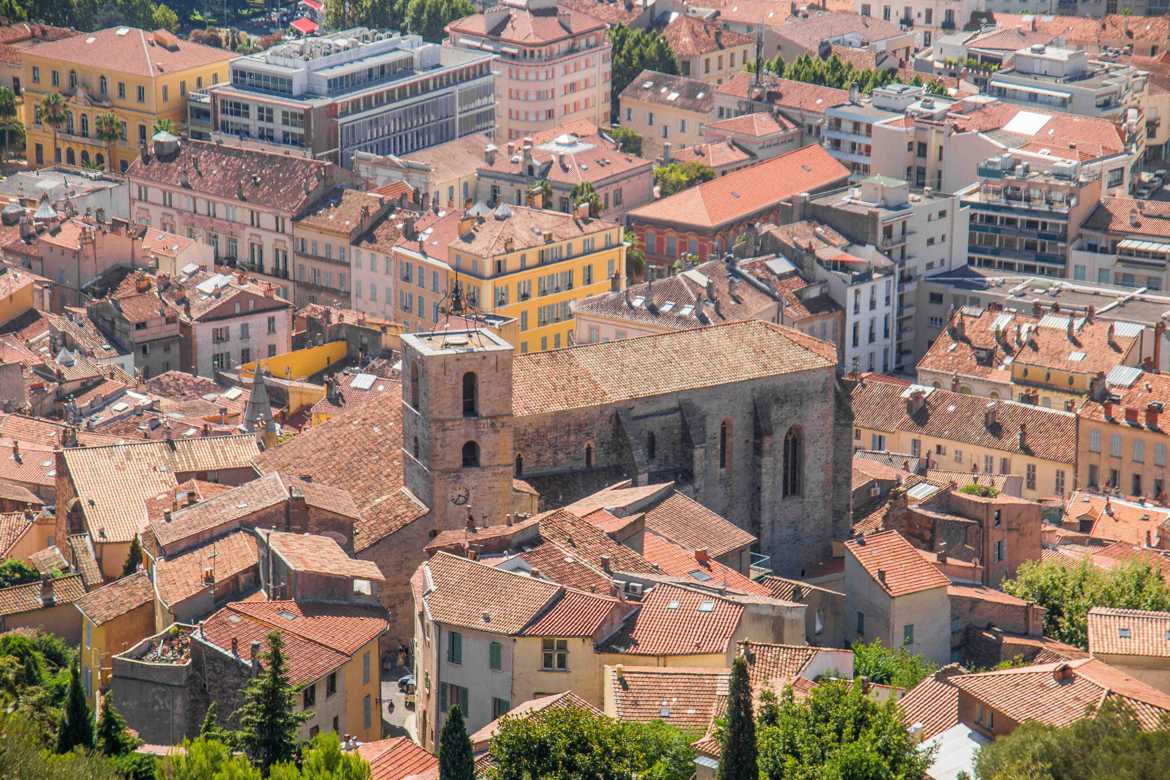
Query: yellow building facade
x=140, y=76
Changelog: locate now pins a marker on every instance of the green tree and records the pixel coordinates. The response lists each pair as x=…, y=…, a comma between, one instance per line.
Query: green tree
x=108, y=128
x=76, y=726
x=134, y=556
x=429, y=18
x=210, y=728
x=583, y=192
x=54, y=113
x=838, y=732
x=1110, y=744
x=627, y=139
x=677, y=176
x=544, y=187
x=899, y=668
x=325, y=760
x=567, y=742
x=635, y=50
x=14, y=572
x=1068, y=593
x=738, y=760
x=163, y=126
x=163, y=18
x=113, y=738
x=455, y=761
x=206, y=759
x=23, y=757
x=268, y=718
x=8, y=114
x=635, y=255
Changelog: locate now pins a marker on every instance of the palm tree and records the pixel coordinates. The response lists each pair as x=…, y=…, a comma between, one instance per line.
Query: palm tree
x=13, y=130
x=106, y=127
x=54, y=113
x=163, y=126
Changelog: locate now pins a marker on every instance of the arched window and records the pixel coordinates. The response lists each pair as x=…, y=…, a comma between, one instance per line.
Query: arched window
x=70, y=157
x=72, y=79
x=470, y=455
x=651, y=445
x=793, y=462
x=519, y=465
x=588, y=456
x=470, y=395
x=84, y=157
x=725, y=444
x=85, y=125
x=100, y=160
x=414, y=449
x=414, y=385
x=103, y=86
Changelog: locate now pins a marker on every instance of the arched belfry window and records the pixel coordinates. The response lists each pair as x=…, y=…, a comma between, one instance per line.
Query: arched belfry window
x=414, y=390
x=470, y=455
x=470, y=394
x=793, y=462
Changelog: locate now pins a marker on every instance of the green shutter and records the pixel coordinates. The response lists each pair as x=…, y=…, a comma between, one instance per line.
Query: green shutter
x=494, y=653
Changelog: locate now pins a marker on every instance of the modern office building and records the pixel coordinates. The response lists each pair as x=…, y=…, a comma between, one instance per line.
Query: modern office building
x=355, y=90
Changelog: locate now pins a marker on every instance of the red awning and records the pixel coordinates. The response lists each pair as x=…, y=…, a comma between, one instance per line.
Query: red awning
x=305, y=26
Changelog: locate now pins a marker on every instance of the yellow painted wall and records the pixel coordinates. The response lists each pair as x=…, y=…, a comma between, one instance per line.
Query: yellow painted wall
x=16, y=304
x=356, y=690
x=111, y=558
x=583, y=676
x=63, y=620
x=101, y=643
x=127, y=109
x=37, y=537
x=300, y=363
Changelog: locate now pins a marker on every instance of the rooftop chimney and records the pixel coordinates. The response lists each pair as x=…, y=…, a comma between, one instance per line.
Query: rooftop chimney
x=703, y=555
x=47, y=597
x=606, y=563
x=1022, y=437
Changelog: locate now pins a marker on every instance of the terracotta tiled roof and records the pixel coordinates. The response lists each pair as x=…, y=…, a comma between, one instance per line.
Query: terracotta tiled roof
x=679, y=562
x=118, y=598
x=48, y=433
x=27, y=598
x=531, y=708
x=318, y=639
x=33, y=465
x=786, y=590
x=767, y=662
x=689, y=94
x=1120, y=553
x=48, y=560
x=690, y=36
x=759, y=124
x=114, y=481
x=1050, y=434
x=785, y=93
x=522, y=229
x=358, y=450
x=341, y=211
x=13, y=525
x=1044, y=693
x=581, y=538
x=895, y=564
x=1148, y=388
x=396, y=758
x=462, y=593
x=687, y=292
x=747, y=191
x=678, y=621
x=589, y=157
x=1089, y=32
x=716, y=155
x=812, y=29
x=133, y=51
x=984, y=593
x=681, y=696
x=1129, y=632
x=1068, y=136
x=524, y=27
x=320, y=555
x=693, y=526
x=862, y=59
x=556, y=564
x=574, y=614
x=84, y=560
x=618, y=371
x=272, y=181
x=933, y=703
x=1114, y=519
x=182, y=577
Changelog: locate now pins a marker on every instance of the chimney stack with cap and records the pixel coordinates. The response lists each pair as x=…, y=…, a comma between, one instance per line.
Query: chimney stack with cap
x=703, y=555
x=47, y=597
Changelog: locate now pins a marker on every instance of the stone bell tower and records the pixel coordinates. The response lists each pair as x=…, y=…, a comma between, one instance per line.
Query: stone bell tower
x=457, y=425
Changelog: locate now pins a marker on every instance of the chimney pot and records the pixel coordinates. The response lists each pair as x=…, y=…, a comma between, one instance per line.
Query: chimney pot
x=703, y=555
x=606, y=563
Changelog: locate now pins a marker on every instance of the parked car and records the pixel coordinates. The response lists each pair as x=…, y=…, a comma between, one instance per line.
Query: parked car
x=406, y=683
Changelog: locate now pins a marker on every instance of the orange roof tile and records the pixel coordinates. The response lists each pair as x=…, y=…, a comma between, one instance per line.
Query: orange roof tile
x=474, y=595
x=679, y=562
x=13, y=525
x=785, y=93
x=580, y=538
x=84, y=560
x=133, y=51
x=117, y=598
x=933, y=703
x=768, y=662
x=681, y=696
x=895, y=564
x=617, y=371
x=678, y=621
x=1129, y=632
x=320, y=555
x=690, y=36
x=19, y=599
x=574, y=614
x=396, y=758
x=745, y=193
x=531, y=708
x=521, y=26
x=342, y=627
x=182, y=577
x=687, y=523
x=1114, y=519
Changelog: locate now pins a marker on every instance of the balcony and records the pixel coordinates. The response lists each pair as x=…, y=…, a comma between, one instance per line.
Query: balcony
x=1015, y=254
x=1002, y=230
x=847, y=135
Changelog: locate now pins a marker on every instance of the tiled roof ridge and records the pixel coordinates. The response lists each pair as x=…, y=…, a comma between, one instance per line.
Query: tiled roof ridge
x=135, y=443
x=286, y=626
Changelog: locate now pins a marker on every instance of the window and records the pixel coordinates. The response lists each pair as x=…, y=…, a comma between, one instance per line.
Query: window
x=1159, y=454
x=495, y=653
x=1139, y=453
x=519, y=466
x=651, y=444
x=1005, y=466
x=330, y=684
x=555, y=654
x=908, y=634
x=367, y=712
x=366, y=668
x=141, y=94
x=861, y=624
x=1094, y=441
x=1059, y=482
x=1115, y=445
x=588, y=453
x=451, y=695
x=1030, y=476
x=470, y=395
x=1136, y=487
x=500, y=707
x=309, y=697
x=455, y=647
x=792, y=462
x=724, y=443
x=470, y=455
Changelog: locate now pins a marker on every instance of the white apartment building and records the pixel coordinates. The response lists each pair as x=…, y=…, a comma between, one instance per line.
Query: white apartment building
x=927, y=19
x=553, y=64
x=354, y=90
x=1062, y=79
x=849, y=126
x=863, y=282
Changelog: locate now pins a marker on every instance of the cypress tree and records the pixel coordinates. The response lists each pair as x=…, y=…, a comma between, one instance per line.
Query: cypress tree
x=112, y=735
x=76, y=725
x=268, y=720
x=210, y=728
x=133, y=558
x=738, y=761
x=455, y=761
